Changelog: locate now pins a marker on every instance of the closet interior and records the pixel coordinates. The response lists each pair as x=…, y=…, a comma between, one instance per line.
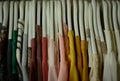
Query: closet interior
x=59, y=40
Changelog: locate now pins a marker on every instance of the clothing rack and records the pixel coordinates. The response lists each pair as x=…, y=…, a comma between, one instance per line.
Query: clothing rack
x=59, y=40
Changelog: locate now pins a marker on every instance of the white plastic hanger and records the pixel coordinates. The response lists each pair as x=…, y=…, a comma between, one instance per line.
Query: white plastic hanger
x=118, y=13
x=48, y=18
x=1, y=15
x=30, y=25
x=15, y=14
x=59, y=18
x=22, y=10
x=86, y=8
x=11, y=20
x=114, y=15
x=99, y=24
x=110, y=14
x=94, y=6
x=69, y=15
x=44, y=34
x=63, y=11
x=81, y=26
x=33, y=17
x=105, y=15
x=56, y=20
x=116, y=29
x=38, y=12
x=5, y=11
x=26, y=18
x=91, y=30
x=75, y=18
x=51, y=21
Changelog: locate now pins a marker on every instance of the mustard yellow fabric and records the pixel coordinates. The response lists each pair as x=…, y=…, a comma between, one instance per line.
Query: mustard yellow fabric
x=84, y=47
x=73, y=75
x=79, y=57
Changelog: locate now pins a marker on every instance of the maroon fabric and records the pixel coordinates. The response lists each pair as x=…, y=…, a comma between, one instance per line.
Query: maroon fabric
x=33, y=65
x=44, y=59
x=39, y=52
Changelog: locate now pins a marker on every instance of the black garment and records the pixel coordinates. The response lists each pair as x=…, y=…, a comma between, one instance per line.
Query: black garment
x=3, y=54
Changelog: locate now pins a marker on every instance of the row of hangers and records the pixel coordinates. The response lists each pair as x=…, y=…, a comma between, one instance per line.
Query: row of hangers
x=61, y=16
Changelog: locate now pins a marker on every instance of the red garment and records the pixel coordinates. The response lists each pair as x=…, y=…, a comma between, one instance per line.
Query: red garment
x=39, y=52
x=33, y=67
x=44, y=59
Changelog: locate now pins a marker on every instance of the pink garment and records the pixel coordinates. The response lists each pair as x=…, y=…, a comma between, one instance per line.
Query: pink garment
x=63, y=74
x=52, y=74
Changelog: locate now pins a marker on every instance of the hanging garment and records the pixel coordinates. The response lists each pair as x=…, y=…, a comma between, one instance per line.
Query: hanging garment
x=14, y=45
x=44, y=59
x=79, y=57
x=24, y=58
x=19, y=43
x=73, y=75
x=39, y=52
x=9, y=60
x=66, y=40
x=63, y=74
x=84, y=47
x=20, y=30
x=52, y=74
x=3, y=54
x=33, y=65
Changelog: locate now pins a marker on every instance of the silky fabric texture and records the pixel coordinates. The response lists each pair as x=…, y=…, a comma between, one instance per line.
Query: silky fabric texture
x=79, y=57
x=63, y=74
x=73, y=74
x=44, y=59
x=14, y=46
x=52, y=74
x=84, y=47
x=39, y=52
x=9, y=60
x=24, y=58
x=33, y=65
x=3, y=54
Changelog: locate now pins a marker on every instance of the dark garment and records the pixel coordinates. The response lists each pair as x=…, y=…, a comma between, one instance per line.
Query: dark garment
x=9, y=60
x=33, y=67
x=3, y=54
x=39, y=52
x=44, y=59
x=14, y=46
x=0, y=26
